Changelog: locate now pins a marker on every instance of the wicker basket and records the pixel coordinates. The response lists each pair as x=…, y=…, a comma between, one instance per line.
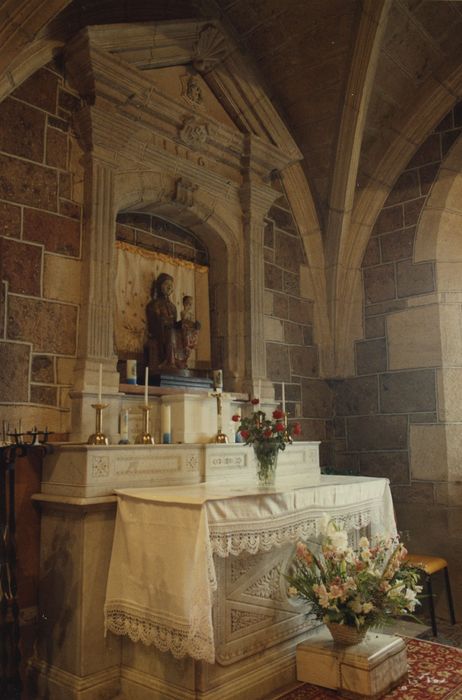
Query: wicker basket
x=346, y=634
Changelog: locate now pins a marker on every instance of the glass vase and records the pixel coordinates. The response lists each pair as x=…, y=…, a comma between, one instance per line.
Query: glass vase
x=267, y=458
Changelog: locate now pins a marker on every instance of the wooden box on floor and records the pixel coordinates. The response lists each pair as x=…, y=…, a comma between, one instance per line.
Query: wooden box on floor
x=368, y=669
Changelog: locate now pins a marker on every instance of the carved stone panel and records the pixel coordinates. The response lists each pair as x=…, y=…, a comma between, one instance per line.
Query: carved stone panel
x=253, y=611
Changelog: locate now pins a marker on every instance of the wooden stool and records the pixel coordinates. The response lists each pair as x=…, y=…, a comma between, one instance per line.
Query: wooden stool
x=431, y=565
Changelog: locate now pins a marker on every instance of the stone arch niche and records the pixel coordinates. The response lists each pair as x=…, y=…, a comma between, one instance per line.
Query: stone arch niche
x=170, y=154
x=222, y=244
x=435, y=448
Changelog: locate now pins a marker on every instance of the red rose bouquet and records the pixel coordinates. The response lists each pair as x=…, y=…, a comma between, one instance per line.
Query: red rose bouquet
x=267, y=436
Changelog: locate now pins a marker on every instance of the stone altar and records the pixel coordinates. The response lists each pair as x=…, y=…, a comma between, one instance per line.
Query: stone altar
x=257, y=628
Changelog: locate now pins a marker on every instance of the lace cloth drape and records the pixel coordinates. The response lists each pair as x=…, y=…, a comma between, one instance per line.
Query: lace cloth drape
x=162, y=576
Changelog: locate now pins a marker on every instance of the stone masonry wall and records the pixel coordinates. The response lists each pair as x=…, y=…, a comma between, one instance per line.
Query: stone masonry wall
x=154, y=233
x=41, y=192
x=375, y=409
x=291, y=351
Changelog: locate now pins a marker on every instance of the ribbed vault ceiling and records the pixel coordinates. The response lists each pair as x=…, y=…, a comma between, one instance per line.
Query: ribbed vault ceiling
x=303, y=51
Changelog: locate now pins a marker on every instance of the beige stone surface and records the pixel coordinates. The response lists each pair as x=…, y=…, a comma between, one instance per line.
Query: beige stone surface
x=429, y=452
x=65, y=370
x=435, y=452
x=437, y=236
x=56, y=419
x=449, y=276
x=447, y=494
x=274, y=329
x=448, y=247
x=410, y=344
x=454, y=197
x=454, y=451
x=61, y=278
x=449, y=382
x=424, y=300
x=306, y=282
x=451, y=334
x=76, y=168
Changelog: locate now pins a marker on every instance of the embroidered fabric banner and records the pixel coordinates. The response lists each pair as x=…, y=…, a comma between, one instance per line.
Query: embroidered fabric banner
x=137, y=269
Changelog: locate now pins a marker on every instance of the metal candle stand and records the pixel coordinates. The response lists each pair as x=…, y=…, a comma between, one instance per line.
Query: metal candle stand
x=10, y=655
x=221, y=438
x=145, y=438
x=286, y=435
x=98, y=437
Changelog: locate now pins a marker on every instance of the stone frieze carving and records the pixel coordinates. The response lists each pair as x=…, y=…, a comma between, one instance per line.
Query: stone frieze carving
x=252, y=611
x=233, y=461
x=268, y=586
x=194, y=132
x=240, y=566
x=241, y=619
x=191, y=91
x=184, y=192
x=192, y=462
x=100, y=467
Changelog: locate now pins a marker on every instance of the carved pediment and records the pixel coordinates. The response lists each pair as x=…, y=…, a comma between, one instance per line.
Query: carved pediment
x=119, y=61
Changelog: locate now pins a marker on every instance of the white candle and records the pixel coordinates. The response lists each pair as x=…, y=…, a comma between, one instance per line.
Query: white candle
x=124, y=425
x=146, y=377
x=165, y=422
x=100, y=383
x=283, y=397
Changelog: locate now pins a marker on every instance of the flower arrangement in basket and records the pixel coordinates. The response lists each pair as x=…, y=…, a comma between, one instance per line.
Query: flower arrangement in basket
x=354, y=588
x=267, y=436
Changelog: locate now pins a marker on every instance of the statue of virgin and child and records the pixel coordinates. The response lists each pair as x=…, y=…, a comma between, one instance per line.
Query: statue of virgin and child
x=171, y=341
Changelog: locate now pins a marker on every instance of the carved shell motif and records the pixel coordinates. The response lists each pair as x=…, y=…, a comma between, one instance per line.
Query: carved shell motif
x=209, y=50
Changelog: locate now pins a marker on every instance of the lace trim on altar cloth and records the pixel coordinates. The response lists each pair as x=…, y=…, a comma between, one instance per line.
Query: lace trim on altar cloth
x=268, y=534
x=193, y=640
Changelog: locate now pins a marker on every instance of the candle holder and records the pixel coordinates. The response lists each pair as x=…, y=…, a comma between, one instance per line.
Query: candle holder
x=145, y=438
x=220, y=438
x=286, y=436
x=98, y=437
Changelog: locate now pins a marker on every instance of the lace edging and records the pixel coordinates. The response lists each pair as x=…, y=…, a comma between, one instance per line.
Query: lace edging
x=265, y=538
x=192, y=642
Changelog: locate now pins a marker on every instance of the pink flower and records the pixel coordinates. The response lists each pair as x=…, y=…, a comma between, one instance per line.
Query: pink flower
x=245, y=434
x=255, y=402
x=236, y=418
x=278, y=414
x=297, y=429
x=279, y=428
x=267, y=433
x=302, y=552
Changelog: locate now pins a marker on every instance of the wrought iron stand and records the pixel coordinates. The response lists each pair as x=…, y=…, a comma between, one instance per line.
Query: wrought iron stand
x=10, y=654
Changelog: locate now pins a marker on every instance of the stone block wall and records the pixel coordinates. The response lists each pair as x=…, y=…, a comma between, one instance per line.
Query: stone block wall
x=395, y=386
x=41, y=194
x=161, y=236
x=291, y=351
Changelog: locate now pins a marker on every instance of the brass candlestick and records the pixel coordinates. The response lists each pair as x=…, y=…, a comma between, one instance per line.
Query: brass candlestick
x=286, y=437
x=220, y=438
x=98, y=437
x=145, y=438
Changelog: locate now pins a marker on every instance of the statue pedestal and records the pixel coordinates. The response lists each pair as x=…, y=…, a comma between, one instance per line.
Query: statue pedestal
x=181, y=379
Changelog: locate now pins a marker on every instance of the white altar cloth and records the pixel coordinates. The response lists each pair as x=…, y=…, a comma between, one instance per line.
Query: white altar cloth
x=162, y=576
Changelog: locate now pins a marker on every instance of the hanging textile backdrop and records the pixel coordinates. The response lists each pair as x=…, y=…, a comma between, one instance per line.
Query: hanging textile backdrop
x=136, y=270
